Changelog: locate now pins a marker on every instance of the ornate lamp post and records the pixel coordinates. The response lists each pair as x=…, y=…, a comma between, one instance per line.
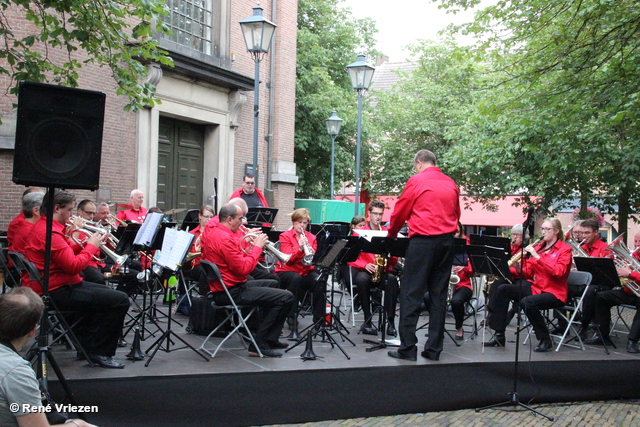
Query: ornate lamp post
x=258, y=33
x=360, y=75
x=333, y=127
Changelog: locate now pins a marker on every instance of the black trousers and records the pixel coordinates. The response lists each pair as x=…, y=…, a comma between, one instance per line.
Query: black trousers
x=589, y=304
x=608, y=299
x=460, y=297
x=104, y=310
x=427, y=267
x=531, y=304
x=297, y=285
x=274, y=303
x=362, y=280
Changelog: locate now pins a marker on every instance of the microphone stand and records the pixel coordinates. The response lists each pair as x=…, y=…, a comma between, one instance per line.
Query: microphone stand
x=514, y=396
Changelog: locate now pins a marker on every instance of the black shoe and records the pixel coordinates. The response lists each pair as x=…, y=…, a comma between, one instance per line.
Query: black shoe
x=276, y=345
x=460, y=337
x=597, y=340
x=122, y=342
x=544, y=346
x=583, y=333
x=266, y=352
x=430, y=356
x=398, y=355
x=498, y=340
x=106, y=361
x=632, y=347
x=368, y=330
x=391, y=331
x=558, y=330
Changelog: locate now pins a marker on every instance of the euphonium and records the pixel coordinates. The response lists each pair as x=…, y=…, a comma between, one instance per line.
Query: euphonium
x=576, y=247
x=381, y=264
x=198, y=251
x=625, y=258
x=270, y=249
x=88, y=231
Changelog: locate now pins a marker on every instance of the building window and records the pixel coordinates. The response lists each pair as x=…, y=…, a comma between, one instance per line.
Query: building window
x=195, y=24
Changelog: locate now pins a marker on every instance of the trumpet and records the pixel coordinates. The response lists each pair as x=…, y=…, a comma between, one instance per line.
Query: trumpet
x=308, y=251
x=272, y=254
x=81, y=235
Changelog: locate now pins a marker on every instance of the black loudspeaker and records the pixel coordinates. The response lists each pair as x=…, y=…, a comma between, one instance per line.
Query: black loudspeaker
x=58, y=136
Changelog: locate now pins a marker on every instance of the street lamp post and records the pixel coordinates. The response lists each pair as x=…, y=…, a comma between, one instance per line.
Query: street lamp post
x=333, y=127
x=258, y=33
x=360, y=75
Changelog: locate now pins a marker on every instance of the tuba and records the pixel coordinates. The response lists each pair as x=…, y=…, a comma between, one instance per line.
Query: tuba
x=624, y=258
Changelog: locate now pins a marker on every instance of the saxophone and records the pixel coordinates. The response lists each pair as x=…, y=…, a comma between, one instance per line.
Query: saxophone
x=381, y=264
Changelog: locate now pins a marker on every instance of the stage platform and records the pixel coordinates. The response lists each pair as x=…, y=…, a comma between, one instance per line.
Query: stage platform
x=179, y=388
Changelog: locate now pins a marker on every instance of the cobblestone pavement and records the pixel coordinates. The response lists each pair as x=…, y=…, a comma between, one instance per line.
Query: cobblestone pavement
x=617, y=413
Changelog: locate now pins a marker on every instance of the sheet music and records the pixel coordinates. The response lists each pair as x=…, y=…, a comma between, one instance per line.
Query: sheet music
x=369, y=234
x=148, y=229
x=174, y=248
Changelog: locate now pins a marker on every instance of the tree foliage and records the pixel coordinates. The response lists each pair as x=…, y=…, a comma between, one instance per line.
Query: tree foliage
x=329, y=38
x=64, y=35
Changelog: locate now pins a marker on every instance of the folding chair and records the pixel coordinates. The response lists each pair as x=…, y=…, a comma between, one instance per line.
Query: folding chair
x=9, y=279
x=233, y=310
x=58, y=324
x=580, y=279
x=621, y=318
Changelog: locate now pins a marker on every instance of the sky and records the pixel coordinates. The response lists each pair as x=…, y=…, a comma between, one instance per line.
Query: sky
x=394, y=22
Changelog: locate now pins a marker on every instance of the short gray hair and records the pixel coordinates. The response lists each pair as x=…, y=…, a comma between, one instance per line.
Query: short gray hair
x=30, y=201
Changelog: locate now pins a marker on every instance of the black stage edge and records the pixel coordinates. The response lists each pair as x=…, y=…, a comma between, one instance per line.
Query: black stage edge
x=312, y=393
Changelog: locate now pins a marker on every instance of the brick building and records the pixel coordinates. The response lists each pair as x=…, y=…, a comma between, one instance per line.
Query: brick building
x=194, y=147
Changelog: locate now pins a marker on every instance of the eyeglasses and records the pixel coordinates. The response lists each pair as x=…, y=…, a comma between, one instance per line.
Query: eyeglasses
x=88, y=212
x=545, y=229
x=207, y=216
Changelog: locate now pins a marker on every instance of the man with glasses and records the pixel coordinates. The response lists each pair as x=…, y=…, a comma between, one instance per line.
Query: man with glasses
x=362, y=271
x=86, y=211
x=250, y=194
x=221, y=246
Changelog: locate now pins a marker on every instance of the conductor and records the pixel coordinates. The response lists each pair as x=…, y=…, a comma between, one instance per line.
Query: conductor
x=430, y=204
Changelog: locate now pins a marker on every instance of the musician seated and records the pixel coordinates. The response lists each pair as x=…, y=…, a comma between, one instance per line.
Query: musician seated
x=607, y=299
x=194, y=269
x=589, y=235
x=86, y=212
x=357, y=222
x=221, y=244
x=543, y=285
x=104, y=309
x=463, y=289
x=298, y=273
x=517, y=237
x=365, y=267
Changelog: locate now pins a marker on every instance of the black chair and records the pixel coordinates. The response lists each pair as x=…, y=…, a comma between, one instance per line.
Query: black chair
x=58, y=325
x=234, y=311
x=9, y=279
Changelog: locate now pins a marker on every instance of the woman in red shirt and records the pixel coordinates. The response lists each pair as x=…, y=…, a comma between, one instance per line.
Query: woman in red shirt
x=546, y=269
x=296, y=275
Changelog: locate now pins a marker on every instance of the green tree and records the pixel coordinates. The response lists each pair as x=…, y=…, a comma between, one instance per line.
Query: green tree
x=60, y=29
x=329, y=38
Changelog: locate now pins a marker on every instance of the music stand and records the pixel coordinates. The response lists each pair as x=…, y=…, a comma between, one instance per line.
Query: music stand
x=494, y=241
x=604, y=273
x=125, y=242
x=321, y=326
x=174, y=249
x=489, y=261
x=259, y=216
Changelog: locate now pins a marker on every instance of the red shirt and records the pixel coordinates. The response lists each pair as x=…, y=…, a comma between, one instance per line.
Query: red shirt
x=429, y=203
x=20, y=235
x=515, y=249
x=133, y=215
x=15, y=224
x=238, y=193
x=551, y=271
x=635, y=276
x=598, y=250
x=367, y=258
x=289, y=245
x=221, y=246
x=66, y=265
